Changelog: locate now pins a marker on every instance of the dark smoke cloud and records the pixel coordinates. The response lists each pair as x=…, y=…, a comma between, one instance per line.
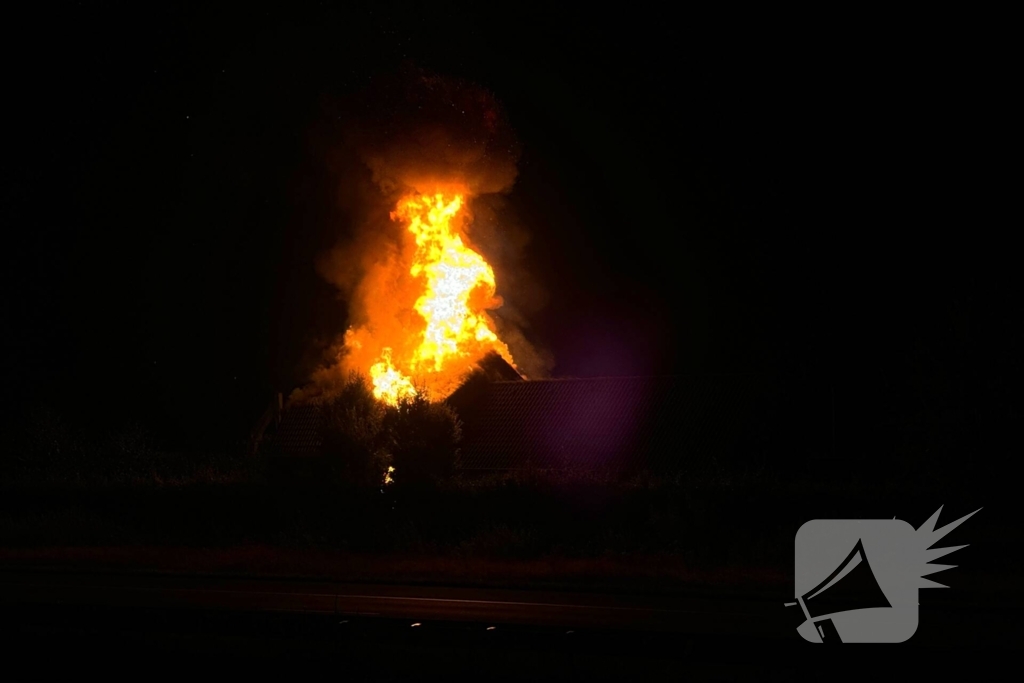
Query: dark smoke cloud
x=419, y=127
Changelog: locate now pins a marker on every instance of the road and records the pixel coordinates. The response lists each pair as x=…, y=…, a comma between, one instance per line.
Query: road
x=55, y=623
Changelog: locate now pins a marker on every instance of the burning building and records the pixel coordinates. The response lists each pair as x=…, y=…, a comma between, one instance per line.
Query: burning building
x=424, y=160
x=425, y=313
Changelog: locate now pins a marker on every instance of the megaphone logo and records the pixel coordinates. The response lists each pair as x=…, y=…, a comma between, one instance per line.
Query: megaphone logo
x=857, y=580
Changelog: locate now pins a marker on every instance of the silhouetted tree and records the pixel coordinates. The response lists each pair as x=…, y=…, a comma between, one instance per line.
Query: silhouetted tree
x=353, y=437
x=423, y=439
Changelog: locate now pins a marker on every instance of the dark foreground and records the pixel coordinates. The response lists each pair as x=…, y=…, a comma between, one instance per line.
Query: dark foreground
x=59, y=626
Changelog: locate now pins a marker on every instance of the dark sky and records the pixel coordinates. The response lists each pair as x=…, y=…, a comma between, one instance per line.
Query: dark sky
x=700, y=199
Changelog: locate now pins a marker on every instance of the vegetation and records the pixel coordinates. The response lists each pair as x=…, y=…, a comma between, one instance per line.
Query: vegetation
x=727, y=519
x=424, y=439
x=363, y=438
x=50, y=450
x=354, y=438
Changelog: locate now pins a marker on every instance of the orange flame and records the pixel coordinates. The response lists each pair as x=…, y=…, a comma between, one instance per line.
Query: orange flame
x=388, y=383
x=456, y=287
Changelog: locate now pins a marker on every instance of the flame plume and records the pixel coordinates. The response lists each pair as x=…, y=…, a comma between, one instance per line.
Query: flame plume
x=456, y=287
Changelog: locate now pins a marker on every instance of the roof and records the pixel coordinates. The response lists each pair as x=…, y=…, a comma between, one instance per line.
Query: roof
x=298, y=433
x=496, y=369
x=612, y=422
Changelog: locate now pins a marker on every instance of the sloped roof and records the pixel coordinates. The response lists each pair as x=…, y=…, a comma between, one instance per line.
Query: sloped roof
x=298, y=433
x=496, y=369
x=614, y=422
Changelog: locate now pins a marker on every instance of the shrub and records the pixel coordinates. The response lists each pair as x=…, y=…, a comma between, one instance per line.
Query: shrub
x=363, y=437
x=353, y=434
x=423, y=438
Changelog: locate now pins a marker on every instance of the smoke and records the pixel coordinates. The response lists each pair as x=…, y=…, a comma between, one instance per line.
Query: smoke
x=426, y=127
x=425, y=133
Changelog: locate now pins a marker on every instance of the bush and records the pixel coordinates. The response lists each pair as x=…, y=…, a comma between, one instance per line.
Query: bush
x=363, y=437
x=353, y=434
x=423, y=439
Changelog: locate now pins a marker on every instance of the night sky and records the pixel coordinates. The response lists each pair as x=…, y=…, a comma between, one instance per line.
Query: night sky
x=699, y=199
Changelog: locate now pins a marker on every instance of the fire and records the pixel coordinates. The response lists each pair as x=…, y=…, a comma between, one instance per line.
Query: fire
x=455, y=286
x=389, y=384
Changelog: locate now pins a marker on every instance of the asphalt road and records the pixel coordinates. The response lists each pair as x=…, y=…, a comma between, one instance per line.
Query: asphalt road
x=59, y=625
